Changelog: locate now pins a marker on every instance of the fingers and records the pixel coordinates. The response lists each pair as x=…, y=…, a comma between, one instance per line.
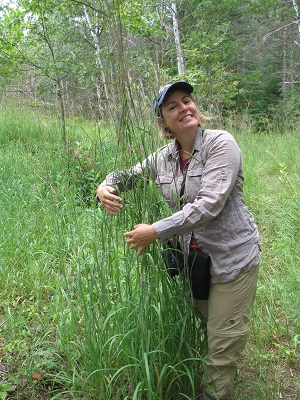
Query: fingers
x=112, y=192
x=129, y=235
x=134, y=241
x=140, y=247
x=140, y=237
x=133, y=238
x=141, y=251
x=109, y=199
x=130, y=240
x=112, y=207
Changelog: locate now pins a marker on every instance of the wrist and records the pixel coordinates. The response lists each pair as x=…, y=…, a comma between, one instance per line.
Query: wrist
x=99, y=193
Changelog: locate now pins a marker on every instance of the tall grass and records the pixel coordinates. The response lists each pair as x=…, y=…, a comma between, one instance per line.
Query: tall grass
x=81, y=317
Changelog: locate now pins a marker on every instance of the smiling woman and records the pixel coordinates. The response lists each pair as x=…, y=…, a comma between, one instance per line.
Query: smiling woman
x=201, y=178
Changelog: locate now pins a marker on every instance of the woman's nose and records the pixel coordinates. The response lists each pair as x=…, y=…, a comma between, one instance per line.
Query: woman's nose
x=183, y=107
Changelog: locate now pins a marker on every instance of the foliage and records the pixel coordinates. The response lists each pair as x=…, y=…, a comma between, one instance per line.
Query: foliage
x=81, y=317
x=287, y=111
x=240, y=55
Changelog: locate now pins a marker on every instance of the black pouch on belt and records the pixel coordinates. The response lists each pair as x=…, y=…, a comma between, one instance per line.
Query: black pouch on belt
x=199, y=275
x=173, y=257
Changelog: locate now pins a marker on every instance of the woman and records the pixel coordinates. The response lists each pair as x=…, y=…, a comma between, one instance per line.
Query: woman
x=200, y=175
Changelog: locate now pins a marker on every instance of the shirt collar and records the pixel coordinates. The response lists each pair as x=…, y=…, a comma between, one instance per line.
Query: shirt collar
x=174, y=146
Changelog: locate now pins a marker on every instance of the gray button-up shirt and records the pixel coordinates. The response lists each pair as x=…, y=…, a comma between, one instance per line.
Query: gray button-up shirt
x=214, y=210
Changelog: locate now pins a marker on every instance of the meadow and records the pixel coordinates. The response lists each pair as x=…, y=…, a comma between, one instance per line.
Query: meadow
x=81, y=317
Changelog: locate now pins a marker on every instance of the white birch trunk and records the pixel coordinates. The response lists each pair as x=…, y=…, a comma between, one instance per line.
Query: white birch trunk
x=297, y=13
x=97, y=46
x=179, y=52
x=284, y=62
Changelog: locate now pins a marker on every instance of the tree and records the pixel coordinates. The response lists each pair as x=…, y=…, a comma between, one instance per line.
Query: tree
x=95, y=32
x=297, y=14
x=179, y=52
x=106, y=58
x=29, y=39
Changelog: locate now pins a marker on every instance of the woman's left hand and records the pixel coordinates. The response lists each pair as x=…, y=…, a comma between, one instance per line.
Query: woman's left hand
x=141, y=236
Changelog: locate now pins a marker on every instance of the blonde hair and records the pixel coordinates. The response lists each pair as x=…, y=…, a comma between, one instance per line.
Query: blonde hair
x=165, y=132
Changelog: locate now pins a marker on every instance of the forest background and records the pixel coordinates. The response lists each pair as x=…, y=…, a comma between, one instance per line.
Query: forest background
x=81, y=318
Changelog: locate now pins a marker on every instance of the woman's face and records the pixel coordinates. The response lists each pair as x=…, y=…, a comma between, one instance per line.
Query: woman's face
x=180, y=113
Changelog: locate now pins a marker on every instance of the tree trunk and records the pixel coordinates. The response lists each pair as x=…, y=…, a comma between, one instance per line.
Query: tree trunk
x=179, y=52
x=284, y=61
x=95, y=33
x=58, y=82
x=59, y=92
x=297, y=14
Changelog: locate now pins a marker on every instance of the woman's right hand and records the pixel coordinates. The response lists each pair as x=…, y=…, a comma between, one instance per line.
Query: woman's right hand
x=111, y=202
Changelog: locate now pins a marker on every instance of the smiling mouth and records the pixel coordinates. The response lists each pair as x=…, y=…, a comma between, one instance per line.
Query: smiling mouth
x=186, y=117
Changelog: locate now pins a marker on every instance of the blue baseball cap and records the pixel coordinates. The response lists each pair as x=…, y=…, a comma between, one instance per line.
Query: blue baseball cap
x=161, y=94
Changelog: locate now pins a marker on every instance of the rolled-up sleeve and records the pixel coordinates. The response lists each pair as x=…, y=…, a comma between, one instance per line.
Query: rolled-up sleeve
x=127, y=179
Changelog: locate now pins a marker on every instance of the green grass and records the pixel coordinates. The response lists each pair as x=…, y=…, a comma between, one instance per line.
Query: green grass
x=81, y=317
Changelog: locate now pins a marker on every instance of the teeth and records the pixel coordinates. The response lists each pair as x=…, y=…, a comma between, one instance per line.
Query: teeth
x=187, y=116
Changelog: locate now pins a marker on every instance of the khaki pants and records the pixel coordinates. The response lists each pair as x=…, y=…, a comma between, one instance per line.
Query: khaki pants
x=227, y=312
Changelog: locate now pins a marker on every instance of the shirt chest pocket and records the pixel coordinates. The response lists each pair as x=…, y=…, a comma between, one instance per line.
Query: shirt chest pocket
x=197, y=171
x=193, y=182
x=165, y=182
x=168, y=188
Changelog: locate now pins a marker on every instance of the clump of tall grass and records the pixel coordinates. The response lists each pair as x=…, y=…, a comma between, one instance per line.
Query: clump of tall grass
x=131, y=338
x=128, y=330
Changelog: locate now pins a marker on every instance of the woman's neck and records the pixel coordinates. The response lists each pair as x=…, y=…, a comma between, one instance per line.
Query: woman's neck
x=186, y=147
x=185, y=154
x=186, y=142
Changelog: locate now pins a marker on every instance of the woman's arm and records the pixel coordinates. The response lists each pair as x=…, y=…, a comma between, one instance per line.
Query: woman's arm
x=117, y=182
x=107, y=193
x=127, y=179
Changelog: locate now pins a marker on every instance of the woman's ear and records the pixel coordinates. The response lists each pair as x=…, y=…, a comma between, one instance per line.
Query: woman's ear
x=164, y=130
x=161, y=123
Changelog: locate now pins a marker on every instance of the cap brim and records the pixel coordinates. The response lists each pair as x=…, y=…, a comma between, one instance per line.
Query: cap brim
x=177, y=85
